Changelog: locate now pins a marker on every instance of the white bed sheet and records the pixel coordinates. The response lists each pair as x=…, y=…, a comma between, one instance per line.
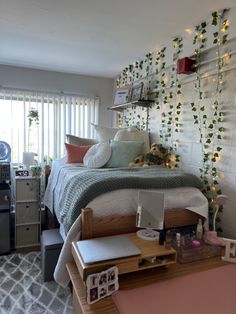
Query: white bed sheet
x=120, y=202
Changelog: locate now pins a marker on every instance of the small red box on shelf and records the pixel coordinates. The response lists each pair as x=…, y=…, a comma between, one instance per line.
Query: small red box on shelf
x=186, y=66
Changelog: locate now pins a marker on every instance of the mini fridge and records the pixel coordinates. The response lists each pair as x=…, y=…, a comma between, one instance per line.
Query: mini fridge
x=5, y=205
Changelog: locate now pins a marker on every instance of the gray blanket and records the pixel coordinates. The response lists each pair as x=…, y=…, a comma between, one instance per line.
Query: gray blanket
x=90, y=183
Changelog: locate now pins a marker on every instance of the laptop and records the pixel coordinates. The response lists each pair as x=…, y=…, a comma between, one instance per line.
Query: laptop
x=106, y=248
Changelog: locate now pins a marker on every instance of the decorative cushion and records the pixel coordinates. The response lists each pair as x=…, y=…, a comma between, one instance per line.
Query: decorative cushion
x=103, y=133
x=75, y=153
x=80, y=141
x=98, y=155
x=133, y=134
x=123, y=152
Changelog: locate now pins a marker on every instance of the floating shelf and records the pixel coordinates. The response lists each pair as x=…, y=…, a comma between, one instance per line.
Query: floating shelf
x=140, y=102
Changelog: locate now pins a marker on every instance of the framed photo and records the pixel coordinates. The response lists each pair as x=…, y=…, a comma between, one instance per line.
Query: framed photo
x=137, y=91
x=22, y=173
x=122, y=95
x=102, y=284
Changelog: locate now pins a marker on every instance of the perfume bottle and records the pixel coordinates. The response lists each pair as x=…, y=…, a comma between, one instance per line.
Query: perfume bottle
x=199, y=231
x=168, y=240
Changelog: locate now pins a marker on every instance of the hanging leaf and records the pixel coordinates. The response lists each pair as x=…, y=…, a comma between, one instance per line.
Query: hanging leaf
x=224, y=39
x=214, y=18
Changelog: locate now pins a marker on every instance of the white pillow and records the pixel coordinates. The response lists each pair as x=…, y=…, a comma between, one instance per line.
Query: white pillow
x=97, y=156
x=133, y=134
x=103, y=133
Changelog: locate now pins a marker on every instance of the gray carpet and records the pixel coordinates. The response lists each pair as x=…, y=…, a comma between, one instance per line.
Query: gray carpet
x=22, y=289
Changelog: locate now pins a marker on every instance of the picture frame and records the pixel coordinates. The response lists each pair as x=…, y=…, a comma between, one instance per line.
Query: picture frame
x=101, y=285
x=137, y=91
x=122, y=95
x=21, y=173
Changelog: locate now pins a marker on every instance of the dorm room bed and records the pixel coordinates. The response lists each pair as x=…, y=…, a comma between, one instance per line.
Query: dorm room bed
x=112, y=194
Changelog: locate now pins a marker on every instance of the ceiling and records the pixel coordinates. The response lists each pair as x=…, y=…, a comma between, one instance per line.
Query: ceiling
x=90, y=37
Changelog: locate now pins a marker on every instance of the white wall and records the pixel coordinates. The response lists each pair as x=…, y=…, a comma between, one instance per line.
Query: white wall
x=189, y=147
x=49, y=81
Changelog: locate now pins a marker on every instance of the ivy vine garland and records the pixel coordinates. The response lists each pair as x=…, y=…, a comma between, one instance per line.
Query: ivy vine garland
x=210, y=123
x=167, y=91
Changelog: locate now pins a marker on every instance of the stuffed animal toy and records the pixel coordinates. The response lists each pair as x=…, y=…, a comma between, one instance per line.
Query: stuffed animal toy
x=158, y=155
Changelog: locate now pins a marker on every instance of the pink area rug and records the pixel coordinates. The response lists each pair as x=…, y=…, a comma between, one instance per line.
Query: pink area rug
x=208, y=292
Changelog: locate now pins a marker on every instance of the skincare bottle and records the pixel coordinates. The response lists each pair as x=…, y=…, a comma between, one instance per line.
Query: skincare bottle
x=199, y=231
x=168, y=240
x=178, y=239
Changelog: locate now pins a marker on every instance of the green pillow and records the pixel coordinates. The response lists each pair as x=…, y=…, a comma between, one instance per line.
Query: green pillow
x=123, y=152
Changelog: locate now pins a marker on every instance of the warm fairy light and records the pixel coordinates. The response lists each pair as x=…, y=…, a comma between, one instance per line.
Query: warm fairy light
x=213, y=188
x=218, y=158
x=165, y=80
x=226, y=56
x=221, y=175
x=225, y=26
x=189, y=31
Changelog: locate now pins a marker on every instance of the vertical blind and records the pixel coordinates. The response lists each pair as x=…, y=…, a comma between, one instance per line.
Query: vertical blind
x=57, y=115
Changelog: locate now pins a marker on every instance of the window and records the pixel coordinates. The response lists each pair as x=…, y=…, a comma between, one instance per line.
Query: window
x=57, y=116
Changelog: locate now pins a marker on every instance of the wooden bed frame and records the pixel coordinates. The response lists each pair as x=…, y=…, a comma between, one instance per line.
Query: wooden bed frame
x=98, y=227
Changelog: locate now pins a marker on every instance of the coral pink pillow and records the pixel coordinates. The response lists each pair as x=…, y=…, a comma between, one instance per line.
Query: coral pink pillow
x=75, y=153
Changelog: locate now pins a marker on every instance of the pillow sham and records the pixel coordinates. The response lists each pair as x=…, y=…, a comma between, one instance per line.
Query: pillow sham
x=123, y=152
x=133, y=134
x=97, y=155
x=103, y=133
x=80, y=141
x=75, y=153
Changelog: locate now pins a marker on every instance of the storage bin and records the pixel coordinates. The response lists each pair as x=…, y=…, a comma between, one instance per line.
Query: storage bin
x=51, y=244
x=27, y=235
x=27, y=212
x=27, y=189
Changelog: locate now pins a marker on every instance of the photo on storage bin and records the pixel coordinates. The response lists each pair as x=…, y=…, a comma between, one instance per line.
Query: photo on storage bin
x=92, y=295
x=93, y=280
x=103, y=278
x=102, y=292
x=100, y=285
x=113, y=287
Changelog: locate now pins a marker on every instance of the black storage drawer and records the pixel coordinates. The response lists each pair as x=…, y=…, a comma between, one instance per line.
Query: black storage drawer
x=5, y=195
x=5, y=244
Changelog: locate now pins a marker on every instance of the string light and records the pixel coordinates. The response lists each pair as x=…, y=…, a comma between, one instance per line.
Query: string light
x=189, y=31
x=226, y=56
x=172, y=157
x=225, y=26
x=213, y=188
x=221, y=176
x=165, y=80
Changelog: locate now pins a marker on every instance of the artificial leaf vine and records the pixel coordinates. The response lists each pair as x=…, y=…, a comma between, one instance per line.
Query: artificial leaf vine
x=164, y=86
x=209, y=120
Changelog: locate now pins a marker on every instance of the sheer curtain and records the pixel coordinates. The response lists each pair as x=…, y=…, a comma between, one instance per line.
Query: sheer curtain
x=57, y=115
